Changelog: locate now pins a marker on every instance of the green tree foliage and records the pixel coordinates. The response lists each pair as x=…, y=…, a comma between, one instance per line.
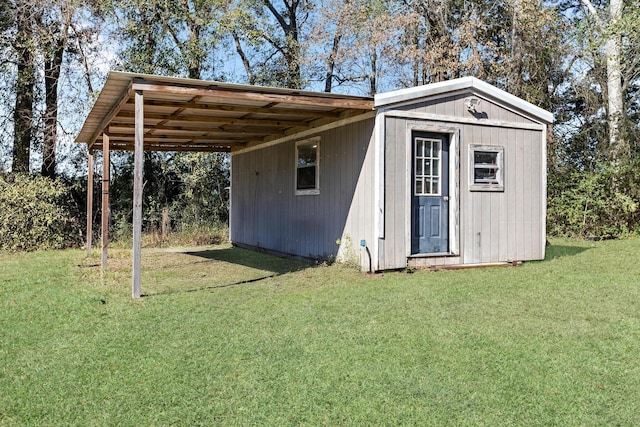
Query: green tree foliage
x=177, y=38
x=204, y=195
x=35, y=214
x=269, y=38
x=553, y=54
x=593, y=188
x=191, y=187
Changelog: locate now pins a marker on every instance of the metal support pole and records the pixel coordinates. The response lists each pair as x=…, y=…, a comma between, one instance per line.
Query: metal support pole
x=89, y=203
x=138, y=171
x=106, y=172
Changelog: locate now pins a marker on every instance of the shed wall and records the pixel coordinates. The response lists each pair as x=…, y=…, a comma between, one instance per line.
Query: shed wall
x=266, y=212
x=493, y=226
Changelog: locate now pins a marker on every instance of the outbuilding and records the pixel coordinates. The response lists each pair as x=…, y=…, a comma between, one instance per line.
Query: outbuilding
x=451, y=173
x=447, y=174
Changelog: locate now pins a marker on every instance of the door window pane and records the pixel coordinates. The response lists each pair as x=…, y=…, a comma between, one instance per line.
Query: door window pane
x=427, y=166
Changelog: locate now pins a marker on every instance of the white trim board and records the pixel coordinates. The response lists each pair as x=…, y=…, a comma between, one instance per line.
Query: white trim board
x=454, y=183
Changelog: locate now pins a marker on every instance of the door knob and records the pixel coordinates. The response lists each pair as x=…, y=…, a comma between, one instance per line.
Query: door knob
x=445, y=198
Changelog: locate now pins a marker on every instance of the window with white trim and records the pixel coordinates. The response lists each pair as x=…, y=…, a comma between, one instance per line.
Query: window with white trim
x=308, y=166
x=486, y=168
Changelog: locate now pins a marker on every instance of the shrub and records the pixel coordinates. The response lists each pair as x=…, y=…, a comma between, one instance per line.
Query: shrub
x=584, y=204
x=34, y=213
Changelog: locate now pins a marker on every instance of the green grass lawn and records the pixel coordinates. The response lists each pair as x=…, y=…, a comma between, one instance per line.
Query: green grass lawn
x=555, y=342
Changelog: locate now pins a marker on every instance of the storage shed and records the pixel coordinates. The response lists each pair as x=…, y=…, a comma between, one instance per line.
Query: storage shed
x=451, y=173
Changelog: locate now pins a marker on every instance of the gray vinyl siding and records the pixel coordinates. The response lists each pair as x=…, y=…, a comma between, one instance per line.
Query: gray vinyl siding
x=454, y=106
x=266, y=213
x=494, y=226
x=504, y=226
x=394, y=252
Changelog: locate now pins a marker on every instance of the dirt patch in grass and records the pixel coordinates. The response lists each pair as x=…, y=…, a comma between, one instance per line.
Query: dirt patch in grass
x=170, y=270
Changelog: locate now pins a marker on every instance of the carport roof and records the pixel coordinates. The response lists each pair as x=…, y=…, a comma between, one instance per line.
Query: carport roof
x=199, y=115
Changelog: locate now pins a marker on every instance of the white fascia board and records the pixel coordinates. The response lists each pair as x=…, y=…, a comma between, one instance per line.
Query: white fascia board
x=401, y=95
x=513, y=100
x=389, y=98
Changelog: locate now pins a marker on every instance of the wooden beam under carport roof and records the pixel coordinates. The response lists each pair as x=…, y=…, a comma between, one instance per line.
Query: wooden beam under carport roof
x=242, y=109
x=292, y=98
x=213, y=120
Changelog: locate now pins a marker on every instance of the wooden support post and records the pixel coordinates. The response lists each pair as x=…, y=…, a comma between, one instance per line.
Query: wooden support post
x=89, y=203
x=138, y=170
x=106, y=172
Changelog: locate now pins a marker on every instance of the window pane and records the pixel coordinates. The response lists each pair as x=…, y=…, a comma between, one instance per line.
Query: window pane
x=307, y=154
x=436, y=149
x=434, y=186
x=436, y=168
x=427, y=166
x=486, y=175
x=485, y=158
x=307, y=172
x=419, y=170
x=419, y=186
x=306, y=178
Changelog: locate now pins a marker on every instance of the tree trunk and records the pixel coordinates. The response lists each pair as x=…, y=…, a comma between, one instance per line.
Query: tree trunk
x=618, y=143
x=291, y=47
x=195, y=55
x=245, y=60
x=331, y=61
x=619, y=148
x=23, y=113
x=374, y=71
x=53, y=65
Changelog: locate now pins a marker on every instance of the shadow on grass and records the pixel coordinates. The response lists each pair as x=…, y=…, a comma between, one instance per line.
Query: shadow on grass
x=271, y=265
x=208, y=288
x=251, y=259
x=561, y=251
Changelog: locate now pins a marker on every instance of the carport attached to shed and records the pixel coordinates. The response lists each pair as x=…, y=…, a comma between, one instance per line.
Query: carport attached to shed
x=138, y=112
